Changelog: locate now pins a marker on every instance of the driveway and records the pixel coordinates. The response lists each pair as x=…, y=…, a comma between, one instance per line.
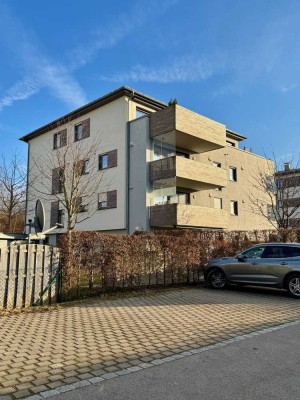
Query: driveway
x=87, y=340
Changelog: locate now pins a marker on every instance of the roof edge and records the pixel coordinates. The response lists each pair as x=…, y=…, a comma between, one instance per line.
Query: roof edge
x=101, y=101
x=235, y=135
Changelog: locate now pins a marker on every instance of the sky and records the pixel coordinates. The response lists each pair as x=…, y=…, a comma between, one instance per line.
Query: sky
x=237, y=62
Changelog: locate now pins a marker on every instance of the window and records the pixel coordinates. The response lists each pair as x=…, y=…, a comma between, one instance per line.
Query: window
x=102, y=201
x=255, y=252
x=103, y=161
x=233, y=207
x=78, y=132
x=61, y=216
x=292, y=251
x=79, y=207
x=82, y=130
x=57, y=180
x=179, y=198
x=60, y=139
x=108, y=160
x=56, y=140
x=279, y=183
x=216, y=164
x=217, y=203
x=230, y=144
x=107, y=200
x=85, y=167
x=141, y=113
x=232, y=174
x=274, y=252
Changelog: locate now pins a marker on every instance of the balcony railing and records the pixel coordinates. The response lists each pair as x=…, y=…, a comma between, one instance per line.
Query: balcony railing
x=189, y=174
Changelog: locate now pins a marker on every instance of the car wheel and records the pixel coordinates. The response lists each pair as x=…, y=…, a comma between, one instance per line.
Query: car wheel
x=293, y=285
x=216, y=279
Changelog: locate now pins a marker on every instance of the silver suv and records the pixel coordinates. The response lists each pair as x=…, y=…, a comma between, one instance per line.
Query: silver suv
x=270, y=264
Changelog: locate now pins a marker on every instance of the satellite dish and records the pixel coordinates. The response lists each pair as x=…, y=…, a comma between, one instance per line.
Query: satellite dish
x=39, y=216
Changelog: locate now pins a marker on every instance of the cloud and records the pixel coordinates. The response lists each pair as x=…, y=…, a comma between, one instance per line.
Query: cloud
x=119, y=29
x=42, y=72
x=191, y=68
x=21, y=90
x=287, y=88
x=39, y=70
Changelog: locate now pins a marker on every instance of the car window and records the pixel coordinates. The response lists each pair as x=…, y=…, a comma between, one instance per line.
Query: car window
x=275, y=252
x=292, y=251
x=254, y=252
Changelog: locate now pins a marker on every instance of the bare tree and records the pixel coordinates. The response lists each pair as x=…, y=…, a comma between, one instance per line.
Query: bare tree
x=69, y=178
x=12, y=194
x=277, y=195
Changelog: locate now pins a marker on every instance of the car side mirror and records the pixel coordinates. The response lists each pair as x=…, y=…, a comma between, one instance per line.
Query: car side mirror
x=241, y=258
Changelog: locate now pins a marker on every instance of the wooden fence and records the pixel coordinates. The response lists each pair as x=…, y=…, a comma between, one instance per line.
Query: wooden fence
x=29, y=275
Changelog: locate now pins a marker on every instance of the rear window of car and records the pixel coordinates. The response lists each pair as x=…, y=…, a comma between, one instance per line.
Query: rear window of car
x=292, y=251
x=281, y=252
x=274, y=252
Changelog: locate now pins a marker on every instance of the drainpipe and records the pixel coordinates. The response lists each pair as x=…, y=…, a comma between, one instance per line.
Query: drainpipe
x=127, y=175
x=128, y=167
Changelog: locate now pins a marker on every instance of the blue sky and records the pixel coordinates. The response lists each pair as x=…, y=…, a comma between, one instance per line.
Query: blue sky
x=234, y=61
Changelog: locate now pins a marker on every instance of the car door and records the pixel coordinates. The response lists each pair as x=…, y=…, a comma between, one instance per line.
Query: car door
x=275, y=263
x=244, y=267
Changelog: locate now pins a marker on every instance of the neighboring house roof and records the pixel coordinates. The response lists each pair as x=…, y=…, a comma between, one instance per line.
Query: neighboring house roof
x=292, y=171
x=116, y=94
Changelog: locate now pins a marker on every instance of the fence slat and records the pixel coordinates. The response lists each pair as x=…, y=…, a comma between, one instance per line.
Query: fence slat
x=25, y=272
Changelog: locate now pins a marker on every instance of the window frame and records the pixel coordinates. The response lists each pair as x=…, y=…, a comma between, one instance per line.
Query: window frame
x=233, y=178
x=76, y=138
x=102, y=201
x=235, y=208
x=100, y=157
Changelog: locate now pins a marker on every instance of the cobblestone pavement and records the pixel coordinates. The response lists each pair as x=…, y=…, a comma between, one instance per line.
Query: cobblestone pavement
x=42, y=351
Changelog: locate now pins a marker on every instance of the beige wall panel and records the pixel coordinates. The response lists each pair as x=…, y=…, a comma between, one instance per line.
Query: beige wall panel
x=248, y=166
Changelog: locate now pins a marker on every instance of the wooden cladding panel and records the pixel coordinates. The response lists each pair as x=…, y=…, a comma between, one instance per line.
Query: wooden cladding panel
x=112, y=199
x=112, y=158
x=162, y=121
x=163, y=215
x=86, y=128
x=54, y=213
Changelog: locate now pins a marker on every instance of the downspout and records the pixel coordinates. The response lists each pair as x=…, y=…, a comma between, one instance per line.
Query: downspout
x=128, y=166
x=127, y=176
x=27, y=184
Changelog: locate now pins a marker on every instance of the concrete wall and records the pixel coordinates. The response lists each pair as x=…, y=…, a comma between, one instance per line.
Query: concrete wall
x=108, y=127
x=248, y=166
x=140, y=153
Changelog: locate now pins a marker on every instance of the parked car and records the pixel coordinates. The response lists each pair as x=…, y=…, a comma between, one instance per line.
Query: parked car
x=270, y=264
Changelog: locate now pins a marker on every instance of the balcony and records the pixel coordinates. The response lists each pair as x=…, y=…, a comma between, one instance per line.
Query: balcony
x=183, y=128
x=185, y=215
x=189, y=174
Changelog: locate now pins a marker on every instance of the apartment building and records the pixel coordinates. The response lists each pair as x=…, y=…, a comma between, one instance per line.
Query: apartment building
x=165, y=167
x=288, y=195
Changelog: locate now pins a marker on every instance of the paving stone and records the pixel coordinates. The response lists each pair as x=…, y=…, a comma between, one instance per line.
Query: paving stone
x=71, y=379
x=38, y=389
x=99, y=337
x=21, y=394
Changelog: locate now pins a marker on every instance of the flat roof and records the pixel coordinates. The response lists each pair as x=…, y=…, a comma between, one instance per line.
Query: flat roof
x=116, y=94
x=235, y=135
x=126, y=91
